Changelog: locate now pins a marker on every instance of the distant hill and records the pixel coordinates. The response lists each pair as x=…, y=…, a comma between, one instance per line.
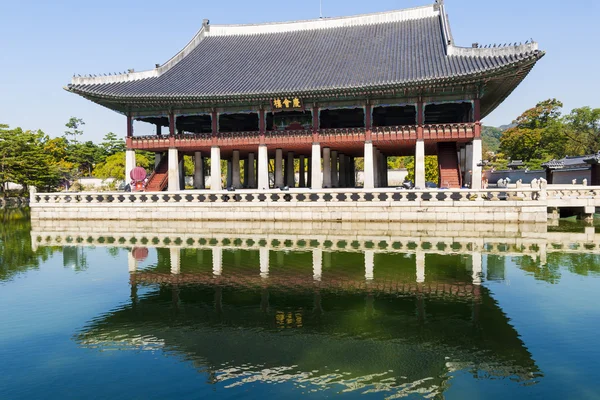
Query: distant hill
x=505, y=127
x=491, y=138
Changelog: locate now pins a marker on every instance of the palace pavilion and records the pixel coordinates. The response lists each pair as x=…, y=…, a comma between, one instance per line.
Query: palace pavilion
x=318, y=93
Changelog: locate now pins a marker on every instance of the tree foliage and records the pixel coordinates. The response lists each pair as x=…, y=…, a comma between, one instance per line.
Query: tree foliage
x=114, y=165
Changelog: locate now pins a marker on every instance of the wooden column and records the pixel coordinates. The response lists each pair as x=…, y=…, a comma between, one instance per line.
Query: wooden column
x=171, y=129
x=262, y=125
x=420, y=119
x=129, y=126
x=315, y=115
x=368, y=121
x=172, y=124
x=214, y=126
x=477, y=117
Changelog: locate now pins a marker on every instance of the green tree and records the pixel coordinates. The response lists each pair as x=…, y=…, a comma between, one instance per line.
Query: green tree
x=583, y=130
x=491, y=139
x=85, y=156
x=111, y=144
x=23, y=159
x=114, y=165
x=431, y=169
x=74, y=128
x=537, y=134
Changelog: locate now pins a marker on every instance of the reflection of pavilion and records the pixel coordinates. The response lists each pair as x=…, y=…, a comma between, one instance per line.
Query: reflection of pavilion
x=397, y=323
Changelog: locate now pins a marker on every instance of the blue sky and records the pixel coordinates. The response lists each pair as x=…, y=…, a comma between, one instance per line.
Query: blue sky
x=42, y=43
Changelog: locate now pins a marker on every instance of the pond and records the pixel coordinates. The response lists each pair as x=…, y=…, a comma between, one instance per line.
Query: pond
x=179, y=313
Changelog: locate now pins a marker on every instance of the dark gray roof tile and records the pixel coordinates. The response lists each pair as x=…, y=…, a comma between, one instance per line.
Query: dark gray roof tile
x=364, y=55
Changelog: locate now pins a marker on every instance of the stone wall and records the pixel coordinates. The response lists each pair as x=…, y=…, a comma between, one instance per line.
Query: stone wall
x=451, y=211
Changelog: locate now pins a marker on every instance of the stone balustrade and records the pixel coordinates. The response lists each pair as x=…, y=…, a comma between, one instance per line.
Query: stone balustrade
x=388, y=196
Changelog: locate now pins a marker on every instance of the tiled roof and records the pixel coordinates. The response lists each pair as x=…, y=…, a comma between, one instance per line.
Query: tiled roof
x=392, y=49
x=573, y=162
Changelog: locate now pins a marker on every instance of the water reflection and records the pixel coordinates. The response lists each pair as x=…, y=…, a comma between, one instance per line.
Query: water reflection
x=366, y=321
x=390, y=311
x=17, y=254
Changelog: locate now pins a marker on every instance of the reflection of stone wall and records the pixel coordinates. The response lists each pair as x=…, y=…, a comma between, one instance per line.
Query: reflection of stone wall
x=13, y=202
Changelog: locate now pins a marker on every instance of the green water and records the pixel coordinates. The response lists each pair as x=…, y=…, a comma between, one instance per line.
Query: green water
x=106, y=318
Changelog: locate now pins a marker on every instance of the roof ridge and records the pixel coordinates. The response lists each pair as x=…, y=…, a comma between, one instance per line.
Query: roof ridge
x=208, y=30
x=359, y=19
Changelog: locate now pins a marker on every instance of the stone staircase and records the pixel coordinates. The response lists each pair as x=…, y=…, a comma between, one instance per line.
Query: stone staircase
x=158, y=180
x=448, y=166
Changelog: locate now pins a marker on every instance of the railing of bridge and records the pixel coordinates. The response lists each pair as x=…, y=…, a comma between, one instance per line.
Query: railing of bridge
x=384, y=196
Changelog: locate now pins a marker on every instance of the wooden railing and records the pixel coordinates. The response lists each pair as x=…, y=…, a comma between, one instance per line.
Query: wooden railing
x=449, y=131
x=462, y=131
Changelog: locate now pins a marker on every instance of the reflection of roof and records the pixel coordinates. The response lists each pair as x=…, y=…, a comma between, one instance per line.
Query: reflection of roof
x=573, y=162
x=409, y=47
x=316, y=333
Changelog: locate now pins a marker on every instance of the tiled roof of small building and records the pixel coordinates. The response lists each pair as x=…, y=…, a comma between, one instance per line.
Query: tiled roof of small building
x=375, y=51
x=573, y=162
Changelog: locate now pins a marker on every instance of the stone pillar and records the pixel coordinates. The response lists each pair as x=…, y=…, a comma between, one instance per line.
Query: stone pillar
x=278, y=168
x=264, y=262
x=376, y=168
x=290, y=178
x=420, y=164
x=175, y=254
x=132, y=263
x=351, y=172
x=229, y=174
x=263, y=167
x=369, y=265
x=369, y=172
x=235, y=170
x=384, y=170
x=334, y=169
x=302, y=173
x=469, y=164
x=477, y=158
x=129, y=164
x=420, y=259
x=198, y=170
x=173, y=174
x=316, y=177
x=251, y=171
x=343, y=181
x=326, y=168
x=317, y=264
x=477, y=267
x=217, y=259
x=215, y=168
x=181, y=174
x=157, y=159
